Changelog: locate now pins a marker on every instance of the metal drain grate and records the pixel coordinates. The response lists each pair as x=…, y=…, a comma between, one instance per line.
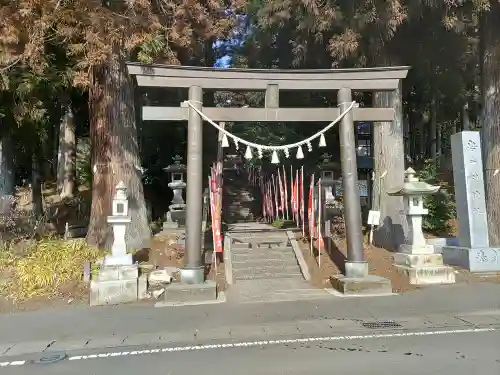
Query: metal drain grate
x=381, y=324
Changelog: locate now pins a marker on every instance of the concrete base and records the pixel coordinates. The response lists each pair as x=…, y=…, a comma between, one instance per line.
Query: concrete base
x=412, y=249
x=418, y=260
x=118, y=260
x=356, y=269
x=361, y=286
x=117, y=284
x=424, y=269
x=428, y=275
x=481, y=259
x=191, y=293
x=192, y=275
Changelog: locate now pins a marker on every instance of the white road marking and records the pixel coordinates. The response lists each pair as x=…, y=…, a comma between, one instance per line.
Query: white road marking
x=246, y=344
x=13, y=363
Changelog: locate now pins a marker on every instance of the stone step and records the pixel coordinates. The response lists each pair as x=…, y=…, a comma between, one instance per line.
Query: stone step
x=238, y=275
x=279, y=267
x=257, y=271
x=263, y=252
x=243, y=261
x=263, y=258
x=262, y=245
x=428, y=275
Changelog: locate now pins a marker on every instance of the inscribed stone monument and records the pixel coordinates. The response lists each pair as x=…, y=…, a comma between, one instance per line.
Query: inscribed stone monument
x=473, y=252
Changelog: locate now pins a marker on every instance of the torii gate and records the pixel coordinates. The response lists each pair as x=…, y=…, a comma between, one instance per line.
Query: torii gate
x=271, y=81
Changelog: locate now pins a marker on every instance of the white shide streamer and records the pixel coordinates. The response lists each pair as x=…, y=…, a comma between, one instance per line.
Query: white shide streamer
x=307, y=141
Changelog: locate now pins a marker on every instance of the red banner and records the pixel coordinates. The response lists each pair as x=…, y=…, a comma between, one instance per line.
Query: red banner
x=301, y=200
x=310, y=209
x=286, y=192
x=215, y=210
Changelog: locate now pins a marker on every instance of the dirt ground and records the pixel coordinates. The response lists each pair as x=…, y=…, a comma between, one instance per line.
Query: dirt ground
x=164, y=252
x=380, y=263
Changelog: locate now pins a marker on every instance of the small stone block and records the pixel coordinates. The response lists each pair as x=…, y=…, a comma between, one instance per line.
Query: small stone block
x=428, y=275
x=86, y=272
x=107, y=273
x=183, y=293
x=142, y=287
x=418, y=260
x=369, y=285
x=480, y=259
x=128, y=272
x=113, y=292
x=118, y=260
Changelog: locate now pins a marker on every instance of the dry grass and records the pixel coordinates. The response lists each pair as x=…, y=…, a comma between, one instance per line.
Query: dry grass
x=45, y=267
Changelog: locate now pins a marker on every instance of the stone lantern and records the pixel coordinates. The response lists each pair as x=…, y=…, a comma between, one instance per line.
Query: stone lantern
x=327, y=177
x=118, y=280
x=416, y=258
x=331, y=206
x=177, y=208
x=119, y=219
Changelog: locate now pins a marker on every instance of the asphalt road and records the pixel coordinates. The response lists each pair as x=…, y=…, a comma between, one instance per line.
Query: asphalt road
x=465, y=352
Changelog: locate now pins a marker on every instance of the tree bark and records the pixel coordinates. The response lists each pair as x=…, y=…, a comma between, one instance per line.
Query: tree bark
x=421, y=142
x=36, y=183
x=6, y=166
x=66, y=168
x=433, y=130
x=7, y=182
x=388, y=145
x=115, y=155
x=465, y=120
x=490, y=35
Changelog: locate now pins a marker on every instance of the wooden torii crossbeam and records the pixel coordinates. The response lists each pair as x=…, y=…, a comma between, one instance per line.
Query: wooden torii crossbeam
x=271, y=81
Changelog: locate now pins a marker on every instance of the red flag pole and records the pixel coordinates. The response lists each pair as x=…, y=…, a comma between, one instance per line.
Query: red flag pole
x=275, y=198
x=281, y=195
x=292, y=196
x=320, y=226
x=285, y=183
x=302, y=203
x=310, y=212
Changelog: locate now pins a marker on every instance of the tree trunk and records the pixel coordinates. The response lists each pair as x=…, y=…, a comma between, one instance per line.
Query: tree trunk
x=7, y=182
x=36, y=183
x=388, y=148
x=433, y=130
x=490, y=34
x=421, y=141
x=66, y=168
x=438, y=136
x=115, y=155
x=465, y=117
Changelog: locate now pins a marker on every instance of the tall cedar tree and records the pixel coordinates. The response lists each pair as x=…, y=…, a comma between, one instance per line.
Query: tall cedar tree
x=100, y=36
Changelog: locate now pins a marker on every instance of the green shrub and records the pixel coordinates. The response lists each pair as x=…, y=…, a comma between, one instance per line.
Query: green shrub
x=441, y=205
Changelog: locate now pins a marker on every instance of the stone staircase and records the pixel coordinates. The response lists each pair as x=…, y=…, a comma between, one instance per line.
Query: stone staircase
x=264, y=267
x=240, y=201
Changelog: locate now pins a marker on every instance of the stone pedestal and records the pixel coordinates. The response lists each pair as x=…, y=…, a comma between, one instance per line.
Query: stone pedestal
x=424, y=268
x=473, y=251
x=369, y=285
x=357, y=281
x=190, y=294
x=117, y=284
x=417, y=259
